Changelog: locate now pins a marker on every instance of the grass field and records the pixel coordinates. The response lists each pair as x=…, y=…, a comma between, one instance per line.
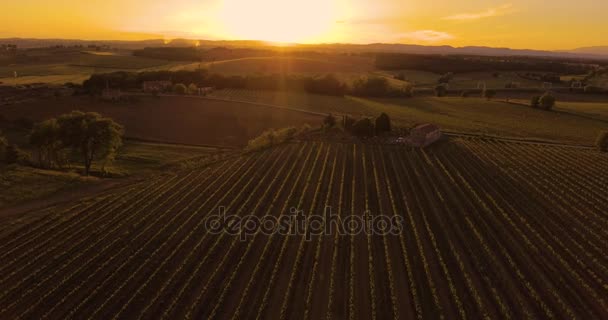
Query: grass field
x=186, y=120
x=490, y=229
x=474, y=115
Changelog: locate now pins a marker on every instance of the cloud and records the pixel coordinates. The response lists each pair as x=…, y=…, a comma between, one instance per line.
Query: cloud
x=426, y=36
x=491, y=12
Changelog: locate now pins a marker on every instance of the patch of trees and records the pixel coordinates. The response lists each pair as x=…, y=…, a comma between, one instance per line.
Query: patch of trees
x=274, y=137
x=87, y=136
x=379, y=87
x=326, y=85
x=367, y=127
x=546, y=101
x=464, y=63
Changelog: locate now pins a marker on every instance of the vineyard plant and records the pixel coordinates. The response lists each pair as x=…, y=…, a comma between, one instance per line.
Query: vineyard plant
x=490, y=230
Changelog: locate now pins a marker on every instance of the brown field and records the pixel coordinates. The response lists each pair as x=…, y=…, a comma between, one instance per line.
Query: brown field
x=491, y=230
x=185, y=120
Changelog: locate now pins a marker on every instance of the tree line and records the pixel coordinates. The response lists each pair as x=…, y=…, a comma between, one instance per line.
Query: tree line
x=328, y=84
x=463, y=63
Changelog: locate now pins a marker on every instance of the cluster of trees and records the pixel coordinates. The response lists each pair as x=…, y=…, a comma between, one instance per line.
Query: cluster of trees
x=326, y=85
x=380, y=87
x=10, y=153
x=89, y=136
x=364, y=127
x=463, y=63
x=546, y=101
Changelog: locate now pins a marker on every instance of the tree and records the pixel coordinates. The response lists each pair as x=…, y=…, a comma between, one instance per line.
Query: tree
x=440, y=90
x=489, y=94
x=535, y=102
x=180, y=88
x=91, y=135
x=329, y=121
x=363, y=128
x=602, y=141
x=192, y=89
x=547, y=101
x=45, y=138
x=383, y=123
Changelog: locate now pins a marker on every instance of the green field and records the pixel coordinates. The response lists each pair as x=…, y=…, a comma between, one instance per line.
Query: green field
x=474, y=115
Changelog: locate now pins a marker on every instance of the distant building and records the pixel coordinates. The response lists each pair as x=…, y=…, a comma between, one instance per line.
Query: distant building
x=111, y=94
x=156, y=86
x=424, y=135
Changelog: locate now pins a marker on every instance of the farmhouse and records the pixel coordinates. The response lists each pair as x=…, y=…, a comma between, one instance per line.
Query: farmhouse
x=156, y=86
x=424, y=135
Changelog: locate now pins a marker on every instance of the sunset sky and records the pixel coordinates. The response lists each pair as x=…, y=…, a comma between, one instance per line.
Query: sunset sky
x=536, y=24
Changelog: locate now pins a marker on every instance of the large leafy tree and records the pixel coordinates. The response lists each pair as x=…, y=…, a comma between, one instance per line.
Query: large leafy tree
x=383, y=123
x=45, y=137
x=91, y=135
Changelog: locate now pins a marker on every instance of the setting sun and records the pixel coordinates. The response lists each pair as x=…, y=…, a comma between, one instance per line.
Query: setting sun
x=278, y=20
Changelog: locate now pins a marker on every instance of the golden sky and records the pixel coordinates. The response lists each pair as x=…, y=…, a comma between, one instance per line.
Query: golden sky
x=535, y=24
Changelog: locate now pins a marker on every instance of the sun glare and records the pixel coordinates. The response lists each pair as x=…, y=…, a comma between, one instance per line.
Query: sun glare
x=278, y=20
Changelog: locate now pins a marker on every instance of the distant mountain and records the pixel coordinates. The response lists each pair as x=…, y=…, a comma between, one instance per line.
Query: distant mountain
x=600, y=50
x=588, y=52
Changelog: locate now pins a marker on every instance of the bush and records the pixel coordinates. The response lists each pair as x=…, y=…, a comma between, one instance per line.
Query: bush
x=329, y=121
x=441, y=90
x=535, y=102
x=383, y=123
x=602, y=141
x=363, y=128
x=192, y=89
x=180, y=88
x=547, y=101
x=273, y=137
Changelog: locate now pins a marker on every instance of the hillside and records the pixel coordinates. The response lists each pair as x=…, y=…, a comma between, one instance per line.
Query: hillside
x=487, y=229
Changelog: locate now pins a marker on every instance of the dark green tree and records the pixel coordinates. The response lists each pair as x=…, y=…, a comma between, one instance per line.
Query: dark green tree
x=383, y=123
x=45, y=137
x=180, y=88
x=535, y=102
x=547, y=101
x=90, y=135
x=363, y=128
